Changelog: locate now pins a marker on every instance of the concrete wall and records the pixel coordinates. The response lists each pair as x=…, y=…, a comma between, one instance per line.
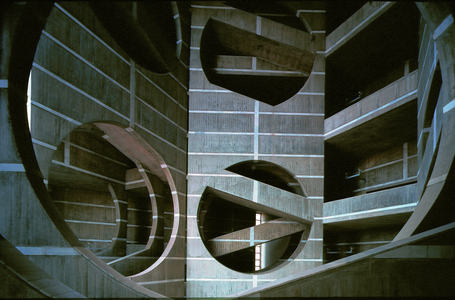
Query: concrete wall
x=80, y=75
x=226, y=128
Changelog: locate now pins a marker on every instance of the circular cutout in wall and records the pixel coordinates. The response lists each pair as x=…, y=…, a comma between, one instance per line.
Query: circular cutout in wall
x=244, y=233
x=114, y=195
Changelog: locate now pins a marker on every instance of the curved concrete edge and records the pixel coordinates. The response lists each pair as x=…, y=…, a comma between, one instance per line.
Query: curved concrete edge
x=255, y=292
x=31, y=274
x=435, y=14
x=116, y=275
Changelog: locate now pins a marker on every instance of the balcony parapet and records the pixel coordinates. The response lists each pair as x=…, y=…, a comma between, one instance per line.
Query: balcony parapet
x=392, y=201
x=395, y=94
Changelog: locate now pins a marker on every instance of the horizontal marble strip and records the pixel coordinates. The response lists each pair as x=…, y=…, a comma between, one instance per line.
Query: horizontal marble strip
x=138, y=226
x=91, y=33
x=89, y=222
x=160, y=281
x=211, y=7
x=251, y=70
x=87, y=172
x=233, y=240
x=84, y=204
x=209, y=91
x=141, y=210
x=160, y=138
x=161, y=90
x=7, y=167
x=84, y=60
x=303, y=259
x=424, y=130
x=311, y=93
x=162, y=115
x=228, y=279
x=79, y=90
x=220, y=133
x=222, y=154
x=120, y=201
x=37, y=104
x=312, y=11
x=221, y=112
x=437, y=179
x=291, y=114
x=449, y=106
x=292, y=134
x=134, y=182
x=47, y=250
x=214, y=175
x=291, y=155
x=175, y=78
x=371, y=211
x=97, y=154
x=95, y=240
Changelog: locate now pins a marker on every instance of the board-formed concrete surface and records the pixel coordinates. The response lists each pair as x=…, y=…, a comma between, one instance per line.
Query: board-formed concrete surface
x=116, y=162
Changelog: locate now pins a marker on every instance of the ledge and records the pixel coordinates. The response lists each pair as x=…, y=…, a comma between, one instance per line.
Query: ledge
x=387, y=202
x=395, y=94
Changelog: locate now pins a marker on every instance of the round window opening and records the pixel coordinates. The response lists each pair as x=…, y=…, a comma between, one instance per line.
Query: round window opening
x=116, y=194
x=244, y=233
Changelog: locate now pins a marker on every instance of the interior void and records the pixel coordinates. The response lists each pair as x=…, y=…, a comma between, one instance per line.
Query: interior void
x=373, y=58
x=344, y=151
x=339, y=11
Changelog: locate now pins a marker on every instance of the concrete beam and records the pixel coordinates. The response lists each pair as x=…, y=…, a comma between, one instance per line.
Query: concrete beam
x=357, y=22
x=132, y=148
x=237, y=41
x=252, y=236
x=270, y=200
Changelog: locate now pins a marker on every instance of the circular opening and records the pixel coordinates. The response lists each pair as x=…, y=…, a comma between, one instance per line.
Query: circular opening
x=245, y=239
x=114, y=205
